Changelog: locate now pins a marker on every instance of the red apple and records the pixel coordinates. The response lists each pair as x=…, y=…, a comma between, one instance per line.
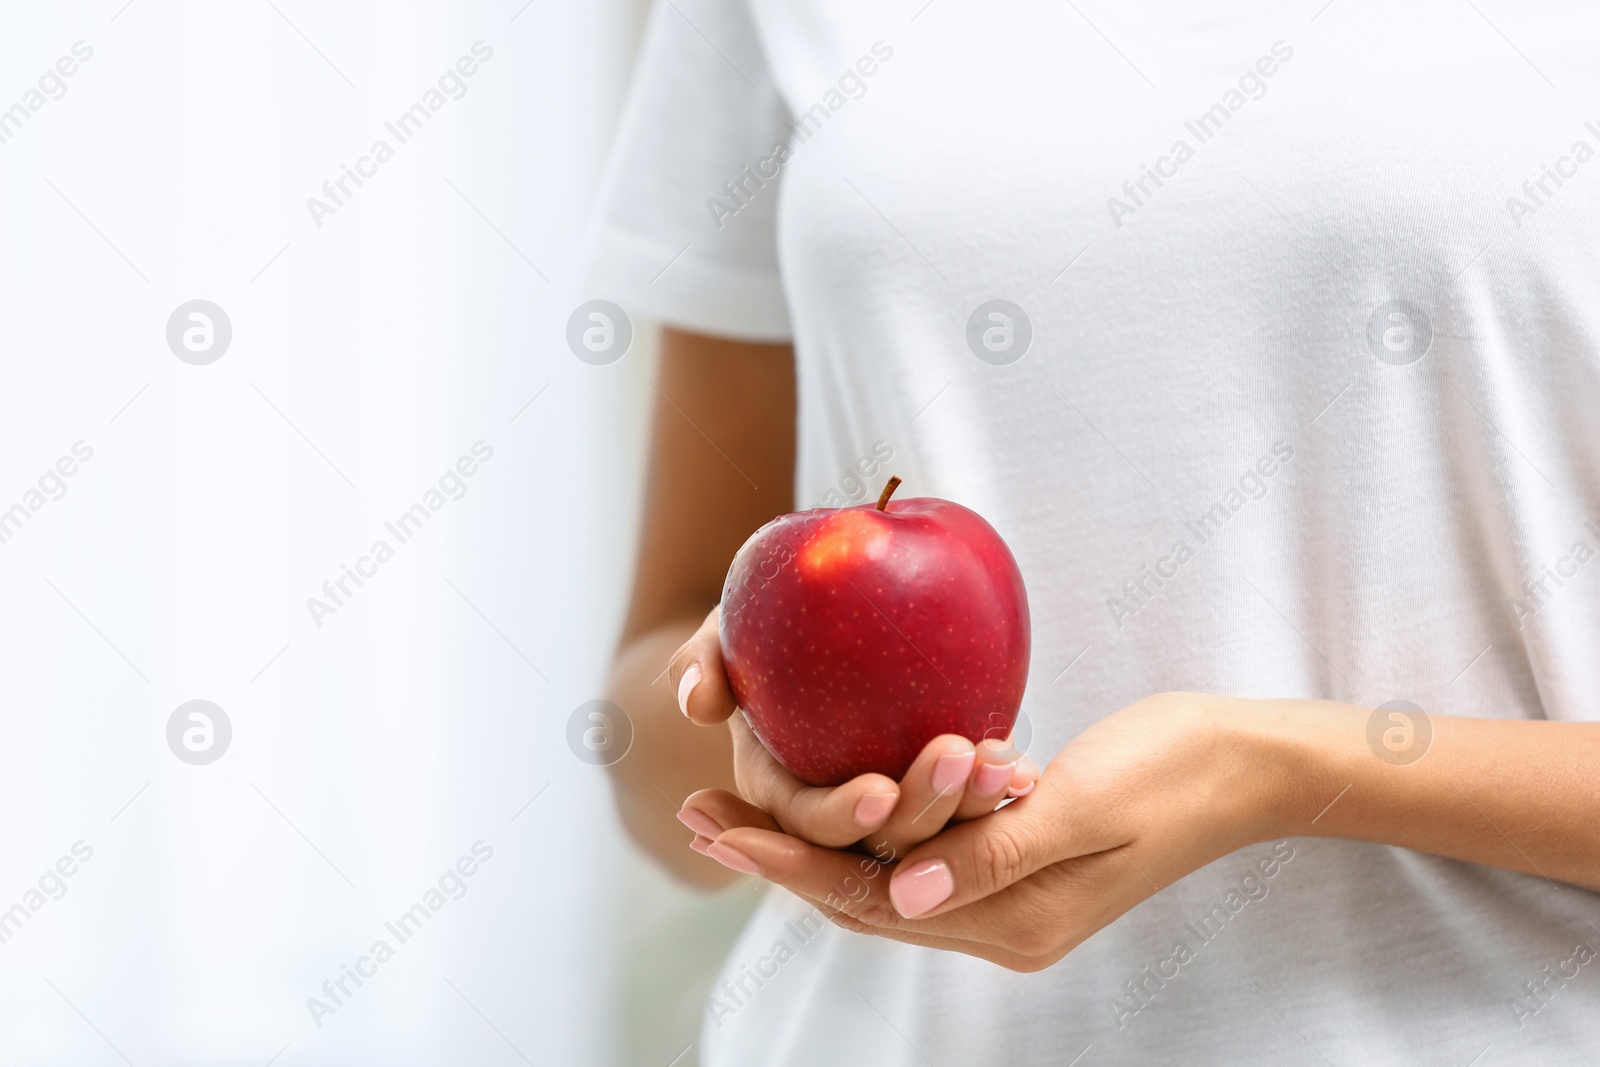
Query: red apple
x=854, y=636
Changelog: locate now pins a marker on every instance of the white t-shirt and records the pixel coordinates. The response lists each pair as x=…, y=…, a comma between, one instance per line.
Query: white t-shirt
x=1292, y=392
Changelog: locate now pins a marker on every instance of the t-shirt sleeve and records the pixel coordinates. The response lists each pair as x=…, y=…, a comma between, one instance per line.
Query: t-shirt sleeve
x=669, y=238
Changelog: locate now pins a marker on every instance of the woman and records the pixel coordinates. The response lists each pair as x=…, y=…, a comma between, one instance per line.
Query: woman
x=1267, y=336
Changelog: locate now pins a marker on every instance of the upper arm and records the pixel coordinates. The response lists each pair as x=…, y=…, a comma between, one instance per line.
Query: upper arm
x=721, y=464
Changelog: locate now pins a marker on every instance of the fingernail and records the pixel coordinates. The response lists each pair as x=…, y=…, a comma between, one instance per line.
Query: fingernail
x=700, y=822
x=950, y=771
x=733, y=859
x=992, y=777
x=686, y=684
x=1024, y=791
x=701, y=845
x=873, y=808
x=1000, y=751
x=921, y=887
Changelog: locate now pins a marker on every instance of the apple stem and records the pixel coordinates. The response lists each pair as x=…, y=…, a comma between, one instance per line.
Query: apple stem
x=888, y=491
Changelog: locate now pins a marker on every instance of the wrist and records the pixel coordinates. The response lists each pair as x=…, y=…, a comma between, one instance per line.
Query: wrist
x=1290, y=759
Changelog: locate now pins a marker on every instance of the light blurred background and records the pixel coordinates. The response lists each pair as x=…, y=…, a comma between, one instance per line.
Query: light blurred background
x=425, y=718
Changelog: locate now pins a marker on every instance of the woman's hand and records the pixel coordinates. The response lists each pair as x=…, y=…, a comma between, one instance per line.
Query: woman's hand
x=1176, y=781
x=1137, y=801
x=951, y=780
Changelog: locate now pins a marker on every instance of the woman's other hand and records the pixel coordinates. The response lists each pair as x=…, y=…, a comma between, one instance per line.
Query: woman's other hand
x=1137, y=801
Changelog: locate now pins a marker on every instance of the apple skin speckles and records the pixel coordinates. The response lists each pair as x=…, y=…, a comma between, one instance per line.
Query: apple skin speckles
x=852, y=637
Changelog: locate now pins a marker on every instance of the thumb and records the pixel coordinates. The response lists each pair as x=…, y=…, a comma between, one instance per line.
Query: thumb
x=696, y=676
x=977, y=859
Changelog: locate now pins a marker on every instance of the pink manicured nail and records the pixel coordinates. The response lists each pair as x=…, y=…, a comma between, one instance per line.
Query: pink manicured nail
x=733, y=859
x=1023, y=791
x=873, y=808
x=700, y=822
x=921, y=887
x=690, y=679
x=701, y=845
x=992, y=777
x=949, y=772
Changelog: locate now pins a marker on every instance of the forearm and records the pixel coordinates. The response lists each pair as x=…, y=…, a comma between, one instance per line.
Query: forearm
x=1517, y=794
x=670, y=757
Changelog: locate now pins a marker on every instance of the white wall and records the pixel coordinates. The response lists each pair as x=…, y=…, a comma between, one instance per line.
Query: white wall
x=367, y=355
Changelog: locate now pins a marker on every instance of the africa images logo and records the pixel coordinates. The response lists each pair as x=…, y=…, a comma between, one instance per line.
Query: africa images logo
x=1252, y=888
x=451, y=85
x=199, y=332
x=999, y=332
x=741, y=189
x=1252, y=85
x=51, y=86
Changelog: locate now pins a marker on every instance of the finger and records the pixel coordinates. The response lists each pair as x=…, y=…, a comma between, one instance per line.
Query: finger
x=929, y=794
x=1026, y=927
x=1035, y=922
x=845, y=882
x=833, y=816
x=992, y=775
x=981, y=858
x=1025, y=778
x=710, y=812
x=858, y=888
x=695, y=674
x=1001, y=955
